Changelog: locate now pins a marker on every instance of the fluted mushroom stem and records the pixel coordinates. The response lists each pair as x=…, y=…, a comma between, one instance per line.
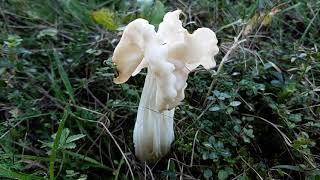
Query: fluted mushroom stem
x=153, y=132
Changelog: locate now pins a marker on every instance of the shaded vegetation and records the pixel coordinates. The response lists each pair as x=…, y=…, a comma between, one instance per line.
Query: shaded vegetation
x=62, y=117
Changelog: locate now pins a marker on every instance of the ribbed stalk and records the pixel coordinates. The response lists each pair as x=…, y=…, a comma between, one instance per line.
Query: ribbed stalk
x=153, y=132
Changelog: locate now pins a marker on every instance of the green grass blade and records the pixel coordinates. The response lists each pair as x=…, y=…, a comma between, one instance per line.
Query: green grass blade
x=88, y=159
x=64, y=77
x=55, y=146
x=55, y=87
x=4, y=172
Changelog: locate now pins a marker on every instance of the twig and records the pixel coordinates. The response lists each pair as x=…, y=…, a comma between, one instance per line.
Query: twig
x=316, y=105
x=309, y=25
x=147, y=167
x=234, y=45
x=251, y=167
x=285, y=137
x=114, y=140
x=194, y=143
x=94, y=97
x=168, y=168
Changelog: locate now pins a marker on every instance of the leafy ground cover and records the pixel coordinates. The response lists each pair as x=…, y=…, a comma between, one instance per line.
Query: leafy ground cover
x=63, y=118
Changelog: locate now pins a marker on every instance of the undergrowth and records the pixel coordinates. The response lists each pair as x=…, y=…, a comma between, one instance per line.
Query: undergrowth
x=62, y=117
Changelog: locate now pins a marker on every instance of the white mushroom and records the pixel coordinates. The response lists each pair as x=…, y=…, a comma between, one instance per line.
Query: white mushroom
x=170, y=54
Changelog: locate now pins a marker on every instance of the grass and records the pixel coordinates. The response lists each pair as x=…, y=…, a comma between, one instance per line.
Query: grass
x=255, y=116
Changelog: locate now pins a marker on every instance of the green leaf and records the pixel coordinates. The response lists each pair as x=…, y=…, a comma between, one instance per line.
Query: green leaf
x=243, y=178
x=71, y=173
x=225, y=153
x=229, y=110
x=157, y=13
x=106, y=18
x=4, y=172
x=214, y=108
x=145, y=2
x=153, y=12
x=13, y=41
x=75, y=138
x=218, y=144
x=212, y=140
x=295, y=117
x=225, y=95
x=216, y=93
x=52, y=32
x=276, y=83
x=312, y=124
x=313, y=177
x=208, y=145
x=205, y=156
x=213, y=156
x=207, y=173
x=248, y=132
x=64, y=135
x=237, y=128
x=70, y=146
x=235, y=103
x=225, y=173
x=289, y=167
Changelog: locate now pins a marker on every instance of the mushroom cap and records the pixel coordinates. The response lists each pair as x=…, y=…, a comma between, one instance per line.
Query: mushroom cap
x=170, y=54
x=130, y=50
x=198, y=48
x=170, y=29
